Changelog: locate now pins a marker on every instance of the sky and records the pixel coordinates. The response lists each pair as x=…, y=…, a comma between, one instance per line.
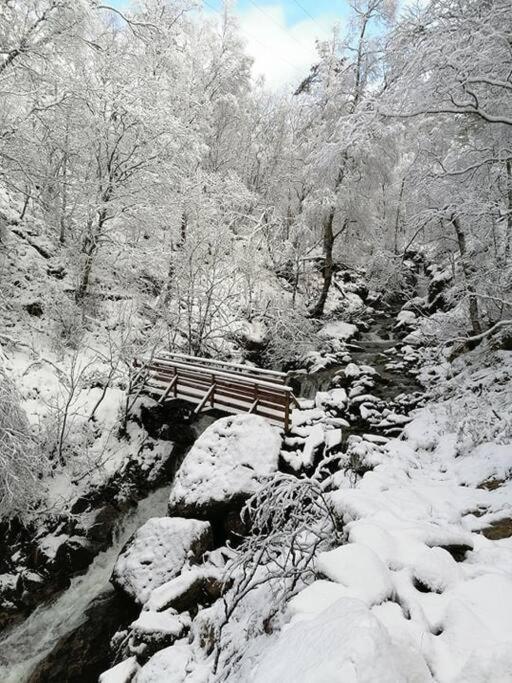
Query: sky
x=281, y=35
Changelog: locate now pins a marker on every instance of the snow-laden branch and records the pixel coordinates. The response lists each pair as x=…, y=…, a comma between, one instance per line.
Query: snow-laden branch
x=482, y=335
x=471, y=111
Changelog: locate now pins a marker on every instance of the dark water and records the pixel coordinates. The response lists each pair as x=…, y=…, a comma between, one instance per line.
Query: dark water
x=369, y=349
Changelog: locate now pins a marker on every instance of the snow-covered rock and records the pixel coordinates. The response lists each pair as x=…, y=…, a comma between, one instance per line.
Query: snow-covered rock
x=405, y=319
x=335, y=398
x=358, y=568
x=123, y=672
x=306, y=417
x=352, y=370
x=317, y=597
x=168, y=665
x=414, y=337
x=436, y=569
x=338, y=330
x=343, y=644
x=313, y=441
x=153, y=631
x=226, y=465
x=333, y=438
x=157, y=553
x=197, y=586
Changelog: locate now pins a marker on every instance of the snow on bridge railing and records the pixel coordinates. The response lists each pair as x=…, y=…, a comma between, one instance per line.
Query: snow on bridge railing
x=237, y=368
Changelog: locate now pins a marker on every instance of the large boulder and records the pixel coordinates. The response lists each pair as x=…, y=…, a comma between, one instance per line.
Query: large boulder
x=157, y=553
x=169, y=665
x=226, y=465
x=198, y=586
x=337, y=329
x=344, y=643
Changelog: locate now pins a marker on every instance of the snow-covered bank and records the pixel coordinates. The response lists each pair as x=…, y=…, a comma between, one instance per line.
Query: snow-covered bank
x=26, y=645
x=428, y=594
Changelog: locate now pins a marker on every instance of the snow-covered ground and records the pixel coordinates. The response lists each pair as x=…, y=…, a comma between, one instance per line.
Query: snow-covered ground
x=419, y=593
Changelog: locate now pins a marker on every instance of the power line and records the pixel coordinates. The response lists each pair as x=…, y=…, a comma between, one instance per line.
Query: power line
x=257, y=40
x=307, y=13
x=281, y=28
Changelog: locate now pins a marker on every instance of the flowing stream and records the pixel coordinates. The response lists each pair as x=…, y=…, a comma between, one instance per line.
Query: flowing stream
x=367, y=349
x=66, y=639
x=30, y=642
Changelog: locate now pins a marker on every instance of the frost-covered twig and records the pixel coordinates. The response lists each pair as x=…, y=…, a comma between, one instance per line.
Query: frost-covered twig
x=290, y=520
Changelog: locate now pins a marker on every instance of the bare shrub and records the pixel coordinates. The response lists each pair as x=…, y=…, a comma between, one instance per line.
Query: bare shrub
x=293, y=336
x=20, y=463
x=67, y=320
x=386, y=273
x=480, y=418
x=291, y=520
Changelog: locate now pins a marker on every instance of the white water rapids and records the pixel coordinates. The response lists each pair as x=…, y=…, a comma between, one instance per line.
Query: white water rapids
x=24, y=646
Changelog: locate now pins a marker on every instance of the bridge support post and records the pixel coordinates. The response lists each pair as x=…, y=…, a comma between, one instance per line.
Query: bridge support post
x=171, y=385
x=205, y=398
x=253, y=407
x=287, y=413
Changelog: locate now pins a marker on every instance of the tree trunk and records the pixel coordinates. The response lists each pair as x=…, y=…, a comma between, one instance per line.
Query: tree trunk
x=64, y=194
x=328, y=239
x=474, y=314
x=169, y=282
x=296, y=276
x=398, y=212
x=183, y=229
x=85, y=277
x=359, y=62
x=508, y=236
x=25, y=205
x=89, y=248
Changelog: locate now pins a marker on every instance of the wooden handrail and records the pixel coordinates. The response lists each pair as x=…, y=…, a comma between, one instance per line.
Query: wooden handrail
x=226, y=375
x=243, y=368
x=227, y=386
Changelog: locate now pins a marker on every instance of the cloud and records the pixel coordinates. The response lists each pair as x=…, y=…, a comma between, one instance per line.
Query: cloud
x=282, y=54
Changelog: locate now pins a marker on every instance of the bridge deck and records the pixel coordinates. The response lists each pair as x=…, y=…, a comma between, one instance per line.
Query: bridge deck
x=231, y=387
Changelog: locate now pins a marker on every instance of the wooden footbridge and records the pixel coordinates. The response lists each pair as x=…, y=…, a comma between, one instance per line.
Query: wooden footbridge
x=207, y=383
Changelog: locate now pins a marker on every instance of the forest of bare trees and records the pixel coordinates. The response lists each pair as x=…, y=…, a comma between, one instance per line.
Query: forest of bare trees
x=156, y=196
x=129, y=146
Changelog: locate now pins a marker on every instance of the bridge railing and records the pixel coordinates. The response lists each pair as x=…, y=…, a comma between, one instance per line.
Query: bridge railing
x=214, y=384
x=235, y=368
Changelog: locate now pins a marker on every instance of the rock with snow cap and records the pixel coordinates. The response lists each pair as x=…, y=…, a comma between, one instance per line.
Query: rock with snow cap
x=153, y=631
x=123, y=672
x=157, y=552
x=169, y=665
x=226, y=465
